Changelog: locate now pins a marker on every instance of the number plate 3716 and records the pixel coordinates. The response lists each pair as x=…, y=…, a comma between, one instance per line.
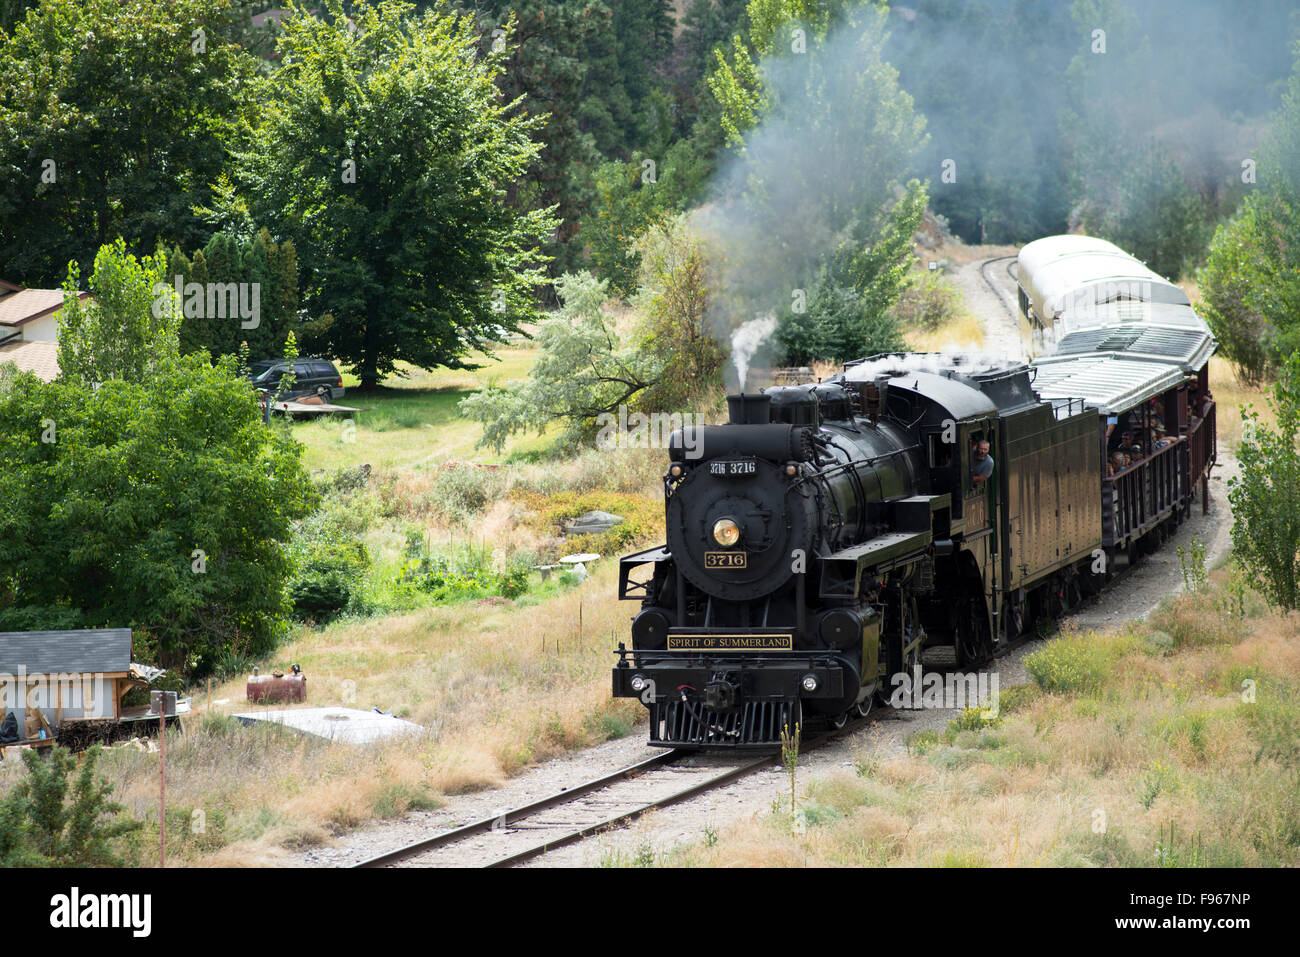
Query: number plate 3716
x=732, y=468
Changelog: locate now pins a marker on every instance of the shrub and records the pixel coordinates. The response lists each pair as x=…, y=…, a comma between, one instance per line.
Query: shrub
x=462, y=574
x=972, y=719
x=329, y=581
x=1266, y=496
x=330, y=561
x=928, y=302
x=51, y=821
x=462, y=490
x=1071, y=664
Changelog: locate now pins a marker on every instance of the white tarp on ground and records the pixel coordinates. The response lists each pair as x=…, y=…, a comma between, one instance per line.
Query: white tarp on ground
x=346, y=725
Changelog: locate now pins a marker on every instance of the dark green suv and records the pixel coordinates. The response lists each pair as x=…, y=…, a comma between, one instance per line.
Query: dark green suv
x=311, y=377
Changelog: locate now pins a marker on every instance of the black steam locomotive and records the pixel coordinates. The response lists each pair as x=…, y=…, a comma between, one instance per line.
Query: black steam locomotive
x=830, y=533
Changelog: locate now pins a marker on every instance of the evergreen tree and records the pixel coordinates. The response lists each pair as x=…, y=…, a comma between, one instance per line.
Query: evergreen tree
x=59, y=815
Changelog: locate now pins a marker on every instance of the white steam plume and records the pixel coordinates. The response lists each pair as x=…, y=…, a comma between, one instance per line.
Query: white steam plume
x=746, y=340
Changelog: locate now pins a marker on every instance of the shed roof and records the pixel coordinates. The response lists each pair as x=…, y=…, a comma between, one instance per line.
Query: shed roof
x=83, y=651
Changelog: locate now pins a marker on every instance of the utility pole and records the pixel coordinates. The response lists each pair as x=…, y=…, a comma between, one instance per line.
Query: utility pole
x=164, y=703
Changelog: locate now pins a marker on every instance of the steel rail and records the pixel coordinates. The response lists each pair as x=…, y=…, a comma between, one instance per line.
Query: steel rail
x=677, y=797
x=501, y=820
x=596, y=784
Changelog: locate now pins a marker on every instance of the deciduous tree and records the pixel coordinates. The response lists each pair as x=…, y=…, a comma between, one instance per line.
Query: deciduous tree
x=384, y=152
x=1266, y=496
x=114, y=120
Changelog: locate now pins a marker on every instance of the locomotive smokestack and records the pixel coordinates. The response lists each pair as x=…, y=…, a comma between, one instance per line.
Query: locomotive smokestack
x=753, y=409
x=872, y=396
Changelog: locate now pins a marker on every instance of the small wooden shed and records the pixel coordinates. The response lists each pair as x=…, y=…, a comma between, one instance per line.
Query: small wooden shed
x=49, y=678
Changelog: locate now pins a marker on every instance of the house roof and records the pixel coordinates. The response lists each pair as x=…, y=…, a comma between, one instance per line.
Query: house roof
x=23, y=306
x=41, y=358
x=89, y=650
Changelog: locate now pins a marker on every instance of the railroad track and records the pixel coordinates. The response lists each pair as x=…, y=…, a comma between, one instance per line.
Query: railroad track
x=1008, y=301
x=998, y=291
x=601, y=804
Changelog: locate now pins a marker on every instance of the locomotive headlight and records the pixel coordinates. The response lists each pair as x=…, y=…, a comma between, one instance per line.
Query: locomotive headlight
x=726, y=532
x=638, y=683
x=809, y=683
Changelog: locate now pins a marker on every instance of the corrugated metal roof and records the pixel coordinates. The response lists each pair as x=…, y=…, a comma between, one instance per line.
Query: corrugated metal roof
x=1189, y=347
x=90, y=650
x=1111, y=382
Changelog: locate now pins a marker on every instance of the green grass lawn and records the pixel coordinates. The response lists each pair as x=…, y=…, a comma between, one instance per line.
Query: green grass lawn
x=412, y=420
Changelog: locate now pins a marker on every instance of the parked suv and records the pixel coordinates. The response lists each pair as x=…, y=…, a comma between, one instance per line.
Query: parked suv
x=311, y=377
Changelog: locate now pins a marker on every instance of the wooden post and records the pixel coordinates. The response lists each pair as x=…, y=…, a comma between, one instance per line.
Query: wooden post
x=162, y=787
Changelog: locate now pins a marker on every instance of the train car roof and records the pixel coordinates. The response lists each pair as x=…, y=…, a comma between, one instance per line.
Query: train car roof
x=1110, y=381
x=961, y=401
x=1161, y=333
x=1064, y=274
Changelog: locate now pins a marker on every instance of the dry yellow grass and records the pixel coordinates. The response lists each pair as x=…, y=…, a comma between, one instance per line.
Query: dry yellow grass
x=964, y=333
x=1172, y=740
x=958, y=253
x=496, y=685
x=1230, y=394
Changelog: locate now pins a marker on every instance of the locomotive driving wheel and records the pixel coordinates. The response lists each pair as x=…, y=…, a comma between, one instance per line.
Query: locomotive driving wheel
x=974, y=643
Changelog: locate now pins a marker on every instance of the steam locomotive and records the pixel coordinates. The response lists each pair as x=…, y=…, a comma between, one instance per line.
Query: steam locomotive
x=831, y=534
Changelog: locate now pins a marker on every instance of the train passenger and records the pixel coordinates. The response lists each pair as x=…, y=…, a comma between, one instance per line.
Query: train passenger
x=981, y=463
x=1156, y=419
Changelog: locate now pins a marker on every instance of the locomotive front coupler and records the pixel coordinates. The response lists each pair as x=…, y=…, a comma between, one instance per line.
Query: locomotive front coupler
x=721, y=693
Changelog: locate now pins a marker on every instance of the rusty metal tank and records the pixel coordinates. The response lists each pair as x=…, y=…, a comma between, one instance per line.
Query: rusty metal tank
x=277, y=687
